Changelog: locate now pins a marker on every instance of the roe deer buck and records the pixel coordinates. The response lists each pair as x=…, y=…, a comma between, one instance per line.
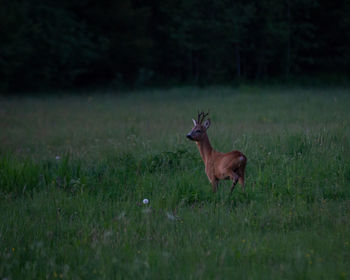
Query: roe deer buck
x=218, y=166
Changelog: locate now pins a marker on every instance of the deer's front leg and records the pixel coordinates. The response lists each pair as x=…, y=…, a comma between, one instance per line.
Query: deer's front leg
x=212, y=179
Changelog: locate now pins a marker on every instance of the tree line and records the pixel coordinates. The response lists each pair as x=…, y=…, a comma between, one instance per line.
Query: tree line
x=72, y=43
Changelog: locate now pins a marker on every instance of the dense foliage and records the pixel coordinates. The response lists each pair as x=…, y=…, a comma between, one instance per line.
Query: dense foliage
x=73, y=43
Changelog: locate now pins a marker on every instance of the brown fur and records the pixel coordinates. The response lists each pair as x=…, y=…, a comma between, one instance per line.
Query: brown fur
x=218, y=166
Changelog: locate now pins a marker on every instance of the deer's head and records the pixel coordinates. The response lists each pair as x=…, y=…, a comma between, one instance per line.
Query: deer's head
x=200, y=129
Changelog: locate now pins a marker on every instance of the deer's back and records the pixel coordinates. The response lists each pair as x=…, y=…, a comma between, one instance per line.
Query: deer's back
x=231, y=160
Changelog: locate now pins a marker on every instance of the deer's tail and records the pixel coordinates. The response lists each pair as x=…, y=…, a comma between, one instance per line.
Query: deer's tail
x=242, y=161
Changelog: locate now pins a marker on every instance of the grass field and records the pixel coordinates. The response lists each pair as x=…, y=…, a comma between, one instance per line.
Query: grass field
x=75, y=169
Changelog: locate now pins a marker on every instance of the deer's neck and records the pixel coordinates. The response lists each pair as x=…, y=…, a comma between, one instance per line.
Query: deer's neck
x=205, y=149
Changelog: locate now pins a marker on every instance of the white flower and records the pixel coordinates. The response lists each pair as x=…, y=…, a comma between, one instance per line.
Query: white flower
x=170, y=216
x=58, y=157
x=145, y=201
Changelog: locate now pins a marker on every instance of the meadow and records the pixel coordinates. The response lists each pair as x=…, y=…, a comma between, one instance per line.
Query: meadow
x=74, y=170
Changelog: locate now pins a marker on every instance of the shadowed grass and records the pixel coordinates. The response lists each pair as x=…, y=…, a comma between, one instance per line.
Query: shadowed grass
x=74, y=171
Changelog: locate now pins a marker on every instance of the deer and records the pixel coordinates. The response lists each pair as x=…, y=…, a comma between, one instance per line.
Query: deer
x=218, y=166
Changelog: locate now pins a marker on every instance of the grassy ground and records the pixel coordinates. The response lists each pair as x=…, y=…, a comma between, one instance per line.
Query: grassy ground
x=74, y=171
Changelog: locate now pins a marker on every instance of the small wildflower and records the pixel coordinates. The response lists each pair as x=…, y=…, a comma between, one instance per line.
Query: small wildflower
x=13, y=249
x=145, y=201
x=170, y=216
x=121, y=215
x=55, y=274
x=243, y=241
x=58, y=157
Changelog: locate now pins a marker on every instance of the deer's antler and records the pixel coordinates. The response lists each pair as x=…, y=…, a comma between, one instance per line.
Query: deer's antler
x=201, y=117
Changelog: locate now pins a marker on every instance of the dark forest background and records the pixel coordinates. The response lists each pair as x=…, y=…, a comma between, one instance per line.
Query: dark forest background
x=75, y=43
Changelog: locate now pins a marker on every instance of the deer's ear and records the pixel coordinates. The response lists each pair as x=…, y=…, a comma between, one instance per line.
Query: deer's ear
x=206, y=124
x=194, y=122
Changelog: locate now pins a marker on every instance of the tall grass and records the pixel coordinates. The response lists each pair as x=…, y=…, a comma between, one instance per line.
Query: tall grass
x=74, y=171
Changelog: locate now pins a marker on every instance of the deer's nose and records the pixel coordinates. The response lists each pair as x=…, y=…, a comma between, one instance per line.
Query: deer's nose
x=189, y=136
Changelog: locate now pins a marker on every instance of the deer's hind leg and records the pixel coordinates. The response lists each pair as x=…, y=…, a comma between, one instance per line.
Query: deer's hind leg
x=241, y=172
x=235, y=177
